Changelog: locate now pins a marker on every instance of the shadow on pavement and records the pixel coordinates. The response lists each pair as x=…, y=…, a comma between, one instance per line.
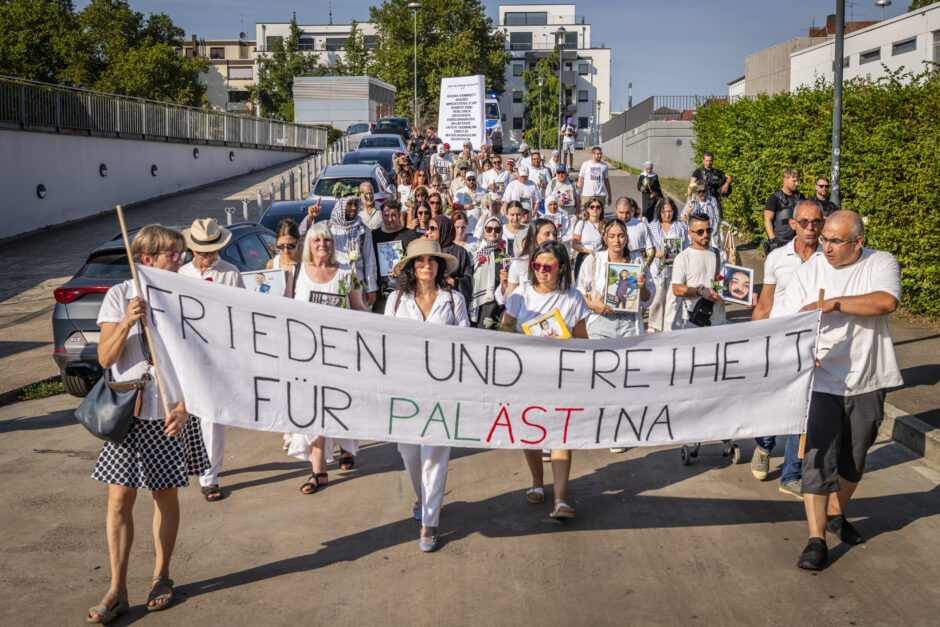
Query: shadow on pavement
x=63, y=418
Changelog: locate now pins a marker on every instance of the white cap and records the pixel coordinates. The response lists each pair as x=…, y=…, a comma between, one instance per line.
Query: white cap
x=440, y=149
x=522, y=170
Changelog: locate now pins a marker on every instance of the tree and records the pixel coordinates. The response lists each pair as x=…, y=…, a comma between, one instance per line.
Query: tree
x=548, y=69
x=920, y=4
x=274, y=90
x=356, y=58
x=106, y=46
x=454, y=39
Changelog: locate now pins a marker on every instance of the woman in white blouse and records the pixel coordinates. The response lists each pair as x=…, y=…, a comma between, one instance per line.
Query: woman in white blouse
x=586, y=236
x=320, y=280
x=665, y=224
x=549, y=290
x=422, y=295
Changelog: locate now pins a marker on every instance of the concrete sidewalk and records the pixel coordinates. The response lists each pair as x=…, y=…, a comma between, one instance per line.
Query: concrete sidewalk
x=38, y=263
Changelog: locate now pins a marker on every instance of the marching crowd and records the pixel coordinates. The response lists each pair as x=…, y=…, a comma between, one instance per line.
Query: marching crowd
x=522, y=247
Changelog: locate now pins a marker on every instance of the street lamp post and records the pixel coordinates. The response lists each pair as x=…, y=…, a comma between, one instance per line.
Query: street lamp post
x=560, y=36
x=414, y=6
x=597, y=122
x=835, y=192
x=883, y=4
x=541, y=82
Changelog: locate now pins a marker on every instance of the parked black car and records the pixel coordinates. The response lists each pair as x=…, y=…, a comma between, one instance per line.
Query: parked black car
x=74, y=329
x=296, y=210
x=392, y=126
x=384, y=157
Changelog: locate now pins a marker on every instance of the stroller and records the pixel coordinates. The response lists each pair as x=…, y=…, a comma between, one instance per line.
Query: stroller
x=690, y=451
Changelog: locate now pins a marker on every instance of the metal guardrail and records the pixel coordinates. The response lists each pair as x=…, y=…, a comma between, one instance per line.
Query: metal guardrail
x=32, y=104
x=655, y=108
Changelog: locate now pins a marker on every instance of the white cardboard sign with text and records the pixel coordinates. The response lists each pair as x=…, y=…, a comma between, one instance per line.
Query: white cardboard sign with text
x=460, y=116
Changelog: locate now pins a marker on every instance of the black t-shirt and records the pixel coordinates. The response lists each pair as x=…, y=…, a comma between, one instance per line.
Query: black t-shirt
x=432, y=144
x=827, y=206
x=784, y=207
x=713, y=178
x=403, y=235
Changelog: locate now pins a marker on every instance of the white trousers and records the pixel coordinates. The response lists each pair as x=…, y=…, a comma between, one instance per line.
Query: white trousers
x=213, y=434
x=427, y=468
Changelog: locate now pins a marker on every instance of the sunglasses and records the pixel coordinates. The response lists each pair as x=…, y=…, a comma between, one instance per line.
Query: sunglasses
x=835, y=241
x=822, y=186
x=434, y=202
x=702, y=231
x=286, y=246
x=433, y=228
x=492, y=229
x=595, y=207
x=544, y=267
x=210, y=254
x=174, y=255
x=423, y=213
x=805, y=223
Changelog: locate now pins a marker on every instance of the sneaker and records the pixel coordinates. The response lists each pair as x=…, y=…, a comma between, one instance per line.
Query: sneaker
x=814, y=555
x=844, y=529
x=618, y=449
x=546, y=455
x=794, y=488
x=760, y=464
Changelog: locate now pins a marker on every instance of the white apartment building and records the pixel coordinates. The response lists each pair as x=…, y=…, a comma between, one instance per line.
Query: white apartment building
x=904, y=41
x=585, y=73
x=326, y=40
x=231, y=71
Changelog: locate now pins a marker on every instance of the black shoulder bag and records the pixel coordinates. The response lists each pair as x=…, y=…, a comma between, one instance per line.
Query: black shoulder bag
x=111, y=406
x=701, y=314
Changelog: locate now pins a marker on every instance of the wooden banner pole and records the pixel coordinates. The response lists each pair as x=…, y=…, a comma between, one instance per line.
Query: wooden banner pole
x=819, y=305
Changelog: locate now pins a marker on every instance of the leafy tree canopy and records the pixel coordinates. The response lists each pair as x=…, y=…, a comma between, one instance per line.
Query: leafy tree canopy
x=106, y=46
x=356, y=58
x=454, y=39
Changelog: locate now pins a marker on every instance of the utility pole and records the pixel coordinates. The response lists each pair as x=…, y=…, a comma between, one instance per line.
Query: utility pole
x=414, y=6
x=541, y=82
x=560, y=42
x=837, y=102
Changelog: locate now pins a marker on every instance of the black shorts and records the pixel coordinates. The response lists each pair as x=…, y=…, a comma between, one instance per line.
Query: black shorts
x=839, y=432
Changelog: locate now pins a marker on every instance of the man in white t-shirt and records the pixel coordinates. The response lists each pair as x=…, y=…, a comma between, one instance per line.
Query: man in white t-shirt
x=443, y=164
x=778, y=270
x=855, y=367
x=207, y=239
x=523, y=190
x=693, y=271
x=525, y=156
x=639, y=237
x=568, y=133
x=565, y=190
x=494, y=180
x=470, y=199
x=539, y=174
x=592, y=180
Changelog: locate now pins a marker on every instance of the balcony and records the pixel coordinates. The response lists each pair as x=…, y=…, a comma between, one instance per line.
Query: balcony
x=553, y=20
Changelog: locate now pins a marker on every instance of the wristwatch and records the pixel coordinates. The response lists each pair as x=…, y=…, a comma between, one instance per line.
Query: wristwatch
x=698, y=290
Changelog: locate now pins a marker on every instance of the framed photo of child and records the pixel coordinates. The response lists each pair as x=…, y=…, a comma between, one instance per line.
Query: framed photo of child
x=737, y=284
x=623, y=291
x=389, y=256
x=551, y=325
x=271, y=282
x=672, y=246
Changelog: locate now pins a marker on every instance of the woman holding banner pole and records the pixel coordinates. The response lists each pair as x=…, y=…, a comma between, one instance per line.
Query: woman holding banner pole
x=319, y=279
x=423, y=295
x=549, y=290
x=160, y=450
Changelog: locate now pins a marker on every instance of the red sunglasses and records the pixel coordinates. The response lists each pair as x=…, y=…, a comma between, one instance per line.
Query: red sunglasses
x=544, y=267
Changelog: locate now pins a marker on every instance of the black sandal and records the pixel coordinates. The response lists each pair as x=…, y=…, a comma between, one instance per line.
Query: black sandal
x=313, y=482
x=347, y=461
x=212, y=493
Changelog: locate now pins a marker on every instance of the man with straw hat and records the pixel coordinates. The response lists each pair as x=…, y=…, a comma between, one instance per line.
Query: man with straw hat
x=206, y=239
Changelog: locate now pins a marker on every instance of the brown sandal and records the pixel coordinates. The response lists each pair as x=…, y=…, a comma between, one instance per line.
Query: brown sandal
x=313, y=483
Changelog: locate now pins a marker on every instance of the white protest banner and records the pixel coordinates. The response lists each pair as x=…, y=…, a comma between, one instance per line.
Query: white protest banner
x=274, y=364
x=460, y=116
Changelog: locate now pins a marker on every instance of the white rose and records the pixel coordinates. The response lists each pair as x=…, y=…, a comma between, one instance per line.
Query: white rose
x=354, y=256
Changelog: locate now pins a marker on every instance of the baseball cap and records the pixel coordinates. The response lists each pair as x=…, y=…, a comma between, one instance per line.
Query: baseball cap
x=522, y=171
x=524, y=147
x=510, y=162
x=561, y=168
x=441, y=149
x=470, y=175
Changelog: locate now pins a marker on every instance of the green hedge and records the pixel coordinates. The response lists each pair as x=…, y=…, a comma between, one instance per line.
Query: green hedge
x=890, y=166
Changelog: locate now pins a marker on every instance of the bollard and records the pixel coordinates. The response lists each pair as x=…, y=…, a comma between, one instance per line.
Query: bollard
x=260, y=203
x=245, y=209
x=271, y=195
x=300, y=180
x=282, y=188
x=308, y=163
x=290, y=184
x=229, y=212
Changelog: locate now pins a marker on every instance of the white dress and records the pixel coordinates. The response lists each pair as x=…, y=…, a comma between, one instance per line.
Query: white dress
x=325, y=294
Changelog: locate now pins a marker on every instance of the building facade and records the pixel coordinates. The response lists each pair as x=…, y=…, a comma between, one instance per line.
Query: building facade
x=324, y=40
x=530, y=35
x=906, y=41
x=231, y=71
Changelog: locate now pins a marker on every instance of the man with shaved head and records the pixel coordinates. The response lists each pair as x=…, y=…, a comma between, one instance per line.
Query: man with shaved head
x=855, y=367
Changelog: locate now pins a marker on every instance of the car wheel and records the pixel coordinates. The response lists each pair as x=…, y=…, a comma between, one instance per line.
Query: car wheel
x=77, y=386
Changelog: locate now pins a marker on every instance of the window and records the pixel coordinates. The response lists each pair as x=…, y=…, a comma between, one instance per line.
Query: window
x=584, y=68
x=368, y=41
x=936, y=46
x=240, y=73
x=517, y=96
x=571, y=40
x=307, y=42
x=582, y=95
x=335, y=43
x=516, y=124
x=520, y=41
x=239, y=96
x=534, y=18
x=270, y=39
x=582, y=122
x=845, y=63
x=517, y=69
x=868, y=57
x=216, y=53
x=567, y=66
x=900, y=47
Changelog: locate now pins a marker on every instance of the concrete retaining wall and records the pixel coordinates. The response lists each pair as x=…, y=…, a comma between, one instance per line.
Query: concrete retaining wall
x=68, y=167
x=667, y=144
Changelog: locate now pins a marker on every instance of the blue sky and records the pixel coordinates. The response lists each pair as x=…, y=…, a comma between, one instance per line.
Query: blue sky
x=664, y=47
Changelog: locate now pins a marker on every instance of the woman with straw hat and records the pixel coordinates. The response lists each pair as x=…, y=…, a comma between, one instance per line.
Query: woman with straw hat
x=423, y=295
